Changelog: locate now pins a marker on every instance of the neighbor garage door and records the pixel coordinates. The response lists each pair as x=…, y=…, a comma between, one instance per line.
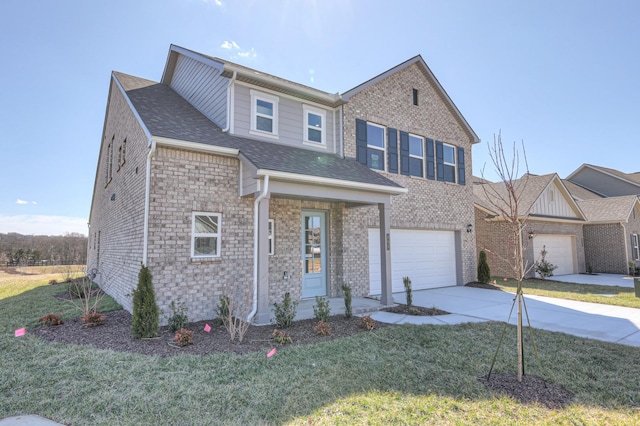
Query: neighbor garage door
x=427, y=257
x=560, y=252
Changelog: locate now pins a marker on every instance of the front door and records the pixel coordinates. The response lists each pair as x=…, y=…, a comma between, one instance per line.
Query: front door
x=314, y=254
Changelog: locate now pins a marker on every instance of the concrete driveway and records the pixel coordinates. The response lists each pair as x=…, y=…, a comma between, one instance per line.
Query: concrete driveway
x=466, y=304
x=599, y=279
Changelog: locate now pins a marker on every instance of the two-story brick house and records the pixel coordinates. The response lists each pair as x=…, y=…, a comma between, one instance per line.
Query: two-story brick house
x=223, y=179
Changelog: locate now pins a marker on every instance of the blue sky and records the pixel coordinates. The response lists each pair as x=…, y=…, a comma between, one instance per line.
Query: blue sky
x=562, y=76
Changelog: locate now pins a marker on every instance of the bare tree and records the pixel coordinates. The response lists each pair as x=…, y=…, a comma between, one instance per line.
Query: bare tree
x=505, y=199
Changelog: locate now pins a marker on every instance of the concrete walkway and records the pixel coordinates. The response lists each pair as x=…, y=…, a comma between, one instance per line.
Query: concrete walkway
x=591, y=320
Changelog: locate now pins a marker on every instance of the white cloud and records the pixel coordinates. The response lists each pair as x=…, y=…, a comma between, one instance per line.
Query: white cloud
x=218, y=2
x=237, y=52
x=42, y=225
x=230, y=45
x=35, y=203
x=19, y=201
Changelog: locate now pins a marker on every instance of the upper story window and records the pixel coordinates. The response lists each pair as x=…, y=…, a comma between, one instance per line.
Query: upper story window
x=416, y=155
x=264, y=114
x=314, y=125
x=205, y=234
x=449, y=162
x=109, y=163
x=375, y=146
x=415, y=97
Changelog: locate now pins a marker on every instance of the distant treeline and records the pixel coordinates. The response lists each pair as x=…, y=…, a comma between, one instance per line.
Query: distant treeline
x=32, y=250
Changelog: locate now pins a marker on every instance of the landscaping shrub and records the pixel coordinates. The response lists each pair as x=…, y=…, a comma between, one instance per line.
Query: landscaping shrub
x=51, y=319
x=322, y=328
x=321, y=311
x=367, y=322
x=178, y=318
x=93, y=319
x=484, y=272
x=543, y=267
x=285, y=312
x=222, y=310
x=146, y=315
x=183, y=337
x=53, y=282
x=346, y=290
x=407, y=288
x=281, y=337
x=232, y=316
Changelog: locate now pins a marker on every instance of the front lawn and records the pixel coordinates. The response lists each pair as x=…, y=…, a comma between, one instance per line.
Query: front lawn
x=397, y=375
x=608, y=295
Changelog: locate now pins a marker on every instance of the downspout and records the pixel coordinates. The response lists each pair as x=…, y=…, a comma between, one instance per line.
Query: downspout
x=256, y=207
x=147, y=190
x=229, y=101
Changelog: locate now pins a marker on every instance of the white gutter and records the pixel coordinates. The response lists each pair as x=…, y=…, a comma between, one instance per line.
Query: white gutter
x=196, y=146
x=147, y=189
x=256, y=208
x=332, y=182
x=230, y=101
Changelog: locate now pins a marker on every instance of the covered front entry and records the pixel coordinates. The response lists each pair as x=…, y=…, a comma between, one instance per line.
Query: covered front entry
x=428, y=258
x=560, y=252
x=314, y=254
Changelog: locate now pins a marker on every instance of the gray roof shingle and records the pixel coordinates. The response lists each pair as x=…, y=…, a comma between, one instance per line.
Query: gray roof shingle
x=167, y=114
x=612, y=209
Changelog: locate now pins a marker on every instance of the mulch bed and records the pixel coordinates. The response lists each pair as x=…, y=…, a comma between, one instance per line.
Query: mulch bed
x=116, y=335
x=415, y=310
x=477, y=284
x=531, y=390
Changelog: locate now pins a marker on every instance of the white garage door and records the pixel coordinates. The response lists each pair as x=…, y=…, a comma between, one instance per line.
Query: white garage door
x=560, y=252
x=427, y=257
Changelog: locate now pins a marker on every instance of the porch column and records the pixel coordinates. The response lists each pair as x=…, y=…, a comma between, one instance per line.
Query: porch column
x=385, y=253
x=264, y=313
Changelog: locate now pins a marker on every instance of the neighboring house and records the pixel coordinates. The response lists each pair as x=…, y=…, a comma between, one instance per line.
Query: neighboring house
x=554, y=221
x=611, y=236
x=228, y=181
x=605, y=182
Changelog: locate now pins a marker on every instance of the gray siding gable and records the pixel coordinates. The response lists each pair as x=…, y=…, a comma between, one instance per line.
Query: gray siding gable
x=602, y=183
x=203, y=86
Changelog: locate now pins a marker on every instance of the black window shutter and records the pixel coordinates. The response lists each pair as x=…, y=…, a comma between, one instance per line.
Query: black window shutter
x=392, y=150
x=431, y=164
x=361, y=141
x=404, y=153
x=440, y=160
x=461, y=179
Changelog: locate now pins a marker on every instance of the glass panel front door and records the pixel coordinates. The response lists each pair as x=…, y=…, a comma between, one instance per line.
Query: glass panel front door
x=313, y=254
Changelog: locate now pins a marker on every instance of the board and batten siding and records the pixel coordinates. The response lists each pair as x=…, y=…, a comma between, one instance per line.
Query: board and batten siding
x=291, y=126
x=553, y=203
x=203, y=87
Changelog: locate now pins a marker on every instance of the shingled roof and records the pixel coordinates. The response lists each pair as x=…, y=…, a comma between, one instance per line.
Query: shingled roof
x=529, y=188
x=612, y=209
x=579, y=192
x=166, y=114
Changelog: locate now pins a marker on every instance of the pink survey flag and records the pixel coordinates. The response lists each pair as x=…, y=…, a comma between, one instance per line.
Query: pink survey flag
x=271, y=353
x=207, y=328
x=21, y=332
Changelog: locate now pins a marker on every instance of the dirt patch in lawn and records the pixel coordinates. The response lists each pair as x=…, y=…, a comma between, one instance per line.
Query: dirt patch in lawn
x=531, y=390
x=116, y=335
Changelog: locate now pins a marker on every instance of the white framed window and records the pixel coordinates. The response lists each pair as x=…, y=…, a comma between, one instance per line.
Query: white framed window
x=376, y=146
x=264, y=114
x=205, y=234
x=416, y=155
x=272, y=239
x=109, y=166
x=314, y=125
x=449, y=162
x=635, y=247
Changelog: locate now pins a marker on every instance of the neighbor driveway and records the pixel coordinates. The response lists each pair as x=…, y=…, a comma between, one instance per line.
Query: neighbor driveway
x=466, y=304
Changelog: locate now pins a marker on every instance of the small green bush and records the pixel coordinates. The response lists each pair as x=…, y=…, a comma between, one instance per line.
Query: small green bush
x=322, y=310
x=281, y=337
x=285, y=312
x=146, y=315
x=407, y=288
x=222, y=310
x=544, y=268
x=178, y=318
x=346, y=290
x=484, y=272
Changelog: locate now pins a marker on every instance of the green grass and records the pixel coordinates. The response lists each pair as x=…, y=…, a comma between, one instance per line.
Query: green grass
x=395, y=375
x=618, y=296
